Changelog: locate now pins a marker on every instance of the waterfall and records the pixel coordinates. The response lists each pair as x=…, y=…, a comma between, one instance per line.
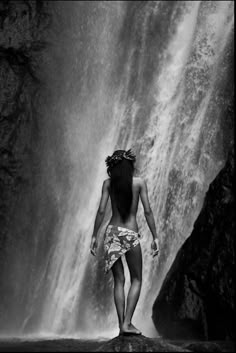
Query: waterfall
x=146, y=75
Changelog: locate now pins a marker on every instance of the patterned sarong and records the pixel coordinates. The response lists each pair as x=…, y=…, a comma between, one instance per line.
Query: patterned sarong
x=117, y=241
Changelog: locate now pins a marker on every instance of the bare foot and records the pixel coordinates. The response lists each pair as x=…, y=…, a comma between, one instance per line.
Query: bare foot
x=129, y=329
x=138, y=332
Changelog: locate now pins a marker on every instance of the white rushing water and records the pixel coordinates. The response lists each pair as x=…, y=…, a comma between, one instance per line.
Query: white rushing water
x=147, y=76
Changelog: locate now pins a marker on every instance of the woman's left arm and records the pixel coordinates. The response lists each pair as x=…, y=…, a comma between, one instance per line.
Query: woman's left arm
x=99, y=216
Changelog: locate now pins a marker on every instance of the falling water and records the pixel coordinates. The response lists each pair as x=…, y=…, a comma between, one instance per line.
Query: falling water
x=151, y=75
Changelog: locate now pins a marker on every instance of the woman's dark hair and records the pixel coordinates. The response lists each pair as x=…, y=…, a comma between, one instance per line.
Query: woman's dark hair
x=121, y=176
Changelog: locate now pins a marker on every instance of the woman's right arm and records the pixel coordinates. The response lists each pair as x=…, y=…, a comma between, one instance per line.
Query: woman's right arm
x=148, y=213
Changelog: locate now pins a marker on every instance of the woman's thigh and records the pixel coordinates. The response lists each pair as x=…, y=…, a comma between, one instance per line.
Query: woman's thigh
x=134, y=261
x=118, y=271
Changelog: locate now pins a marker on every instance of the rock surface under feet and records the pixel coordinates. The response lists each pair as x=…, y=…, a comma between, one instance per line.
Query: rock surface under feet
x=207, y=346
x=138, y=343
x=117, y=344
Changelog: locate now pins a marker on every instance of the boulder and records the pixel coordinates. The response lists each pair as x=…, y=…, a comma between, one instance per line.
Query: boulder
x=196, y=300
x=140, y=343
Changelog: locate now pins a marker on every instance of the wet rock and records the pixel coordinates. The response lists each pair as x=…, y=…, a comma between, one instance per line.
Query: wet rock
x=197, y=298
x=209, y=346
x=21, y=23
x=139, y=344
x=21, y=26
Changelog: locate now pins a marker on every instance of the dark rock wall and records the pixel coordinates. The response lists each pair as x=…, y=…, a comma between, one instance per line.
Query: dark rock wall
x=197, y=297
x=22, y=24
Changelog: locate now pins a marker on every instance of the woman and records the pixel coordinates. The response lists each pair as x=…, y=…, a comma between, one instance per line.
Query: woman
x=121, y=235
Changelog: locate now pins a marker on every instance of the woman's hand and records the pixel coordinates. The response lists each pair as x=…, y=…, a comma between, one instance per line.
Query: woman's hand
x=93, y=246
x=155, y=247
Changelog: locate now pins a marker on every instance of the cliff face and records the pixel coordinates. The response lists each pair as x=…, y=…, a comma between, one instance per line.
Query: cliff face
x=197, y=297
x=21, y=26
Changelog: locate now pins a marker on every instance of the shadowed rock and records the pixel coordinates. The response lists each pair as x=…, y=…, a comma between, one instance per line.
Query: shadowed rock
x=118, y=344
x=22, y=25
x=196, y=300
x=219, y=346
x=138, y=344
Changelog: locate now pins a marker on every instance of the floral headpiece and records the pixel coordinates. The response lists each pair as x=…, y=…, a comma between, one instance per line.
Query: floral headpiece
x=111, y=161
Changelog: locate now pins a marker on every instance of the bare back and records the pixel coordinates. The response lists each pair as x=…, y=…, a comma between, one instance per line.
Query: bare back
x=138, y=190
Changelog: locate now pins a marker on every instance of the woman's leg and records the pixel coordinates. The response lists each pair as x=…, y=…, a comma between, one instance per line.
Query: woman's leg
x=119, y=294
x=134, y=261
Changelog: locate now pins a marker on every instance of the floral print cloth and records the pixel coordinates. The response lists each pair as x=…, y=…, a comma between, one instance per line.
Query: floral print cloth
x=118, y=240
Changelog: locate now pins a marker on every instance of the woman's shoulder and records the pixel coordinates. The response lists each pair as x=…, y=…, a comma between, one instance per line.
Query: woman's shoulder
x=107, y=181
x=137, y=179
x=140, y=182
